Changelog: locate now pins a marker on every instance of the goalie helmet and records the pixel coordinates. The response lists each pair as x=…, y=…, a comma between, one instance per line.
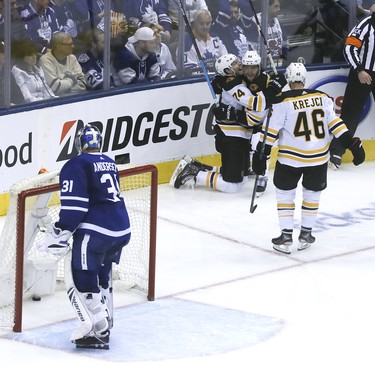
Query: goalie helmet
x=296, y=72
x=225, y=62
x=251, y=58
x=88, y=137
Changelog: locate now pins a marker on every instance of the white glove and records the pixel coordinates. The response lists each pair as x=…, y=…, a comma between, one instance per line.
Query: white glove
x=55, y=242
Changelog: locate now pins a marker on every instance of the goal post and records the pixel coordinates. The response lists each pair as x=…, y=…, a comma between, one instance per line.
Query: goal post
x=28, y=272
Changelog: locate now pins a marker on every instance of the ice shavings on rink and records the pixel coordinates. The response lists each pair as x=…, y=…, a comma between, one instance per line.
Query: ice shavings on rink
x=165, y=329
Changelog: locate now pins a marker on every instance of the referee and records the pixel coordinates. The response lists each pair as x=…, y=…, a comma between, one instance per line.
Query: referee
x=360, y=54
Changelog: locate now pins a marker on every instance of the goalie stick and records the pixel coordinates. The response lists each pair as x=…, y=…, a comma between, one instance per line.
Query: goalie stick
x=201, y=62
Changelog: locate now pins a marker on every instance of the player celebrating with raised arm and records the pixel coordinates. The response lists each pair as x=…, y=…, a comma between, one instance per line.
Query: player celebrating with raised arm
x=304, y=122
x=94, y=214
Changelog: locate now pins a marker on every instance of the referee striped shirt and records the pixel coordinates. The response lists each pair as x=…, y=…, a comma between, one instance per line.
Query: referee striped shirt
x=360, y=45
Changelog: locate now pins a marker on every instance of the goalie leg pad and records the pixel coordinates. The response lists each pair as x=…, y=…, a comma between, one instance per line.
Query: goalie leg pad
x=91, y=311
x=90, y=308
x=107, y=294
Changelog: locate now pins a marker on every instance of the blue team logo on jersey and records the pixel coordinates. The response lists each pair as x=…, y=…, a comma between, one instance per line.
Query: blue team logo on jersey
x=334, y=86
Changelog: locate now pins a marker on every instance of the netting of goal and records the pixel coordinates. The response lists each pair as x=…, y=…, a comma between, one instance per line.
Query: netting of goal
x=34, y=202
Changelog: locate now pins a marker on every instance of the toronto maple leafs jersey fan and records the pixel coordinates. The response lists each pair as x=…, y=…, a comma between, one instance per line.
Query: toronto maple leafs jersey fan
x=90, y=194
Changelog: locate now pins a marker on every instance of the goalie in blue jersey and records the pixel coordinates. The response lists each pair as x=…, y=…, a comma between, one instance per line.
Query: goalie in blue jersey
x=94, y=215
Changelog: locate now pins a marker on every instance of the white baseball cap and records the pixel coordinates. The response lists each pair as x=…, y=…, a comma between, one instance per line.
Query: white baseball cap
x=142, y=34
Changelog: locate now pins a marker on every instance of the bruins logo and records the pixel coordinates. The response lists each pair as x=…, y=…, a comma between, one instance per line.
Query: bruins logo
x=254, y=87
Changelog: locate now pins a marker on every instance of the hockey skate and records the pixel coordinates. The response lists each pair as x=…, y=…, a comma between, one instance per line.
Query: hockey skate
x=201, y=166
x=305, y=239
x=188, y=173
x=283, y=242
x=100, y=341
x=334, y=162
x=180, y=166
x=261, y=185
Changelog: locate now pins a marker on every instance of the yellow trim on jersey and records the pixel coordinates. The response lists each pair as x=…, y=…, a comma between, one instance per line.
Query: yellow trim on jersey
x=235, y=131
x=305, y=152
x=321, y=160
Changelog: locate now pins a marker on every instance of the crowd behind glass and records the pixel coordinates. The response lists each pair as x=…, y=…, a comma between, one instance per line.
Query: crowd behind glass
x=51, y=49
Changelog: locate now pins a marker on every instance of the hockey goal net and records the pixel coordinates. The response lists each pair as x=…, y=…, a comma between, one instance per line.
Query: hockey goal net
x=34, y=202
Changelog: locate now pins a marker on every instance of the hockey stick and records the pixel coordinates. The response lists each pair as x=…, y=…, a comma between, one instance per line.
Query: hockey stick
x=272, y=63
x=253, y=206
x=201, y=62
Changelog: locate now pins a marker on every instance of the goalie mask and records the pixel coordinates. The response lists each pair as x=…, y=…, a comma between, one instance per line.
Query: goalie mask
x=224, y=63
x=296, y=72
x=88, y=137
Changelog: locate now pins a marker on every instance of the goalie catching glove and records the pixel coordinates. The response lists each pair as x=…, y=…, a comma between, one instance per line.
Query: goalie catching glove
x=55, y=242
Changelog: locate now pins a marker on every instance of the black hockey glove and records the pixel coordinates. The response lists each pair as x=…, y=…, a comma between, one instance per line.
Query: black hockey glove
x=277, y=83
x=357, y=150
x=241, y=117
x=224, y=112
x=259, y=164
x=257, y=128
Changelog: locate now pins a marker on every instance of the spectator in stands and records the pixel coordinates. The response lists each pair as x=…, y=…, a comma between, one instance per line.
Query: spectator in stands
x=137, y=61
x=30, y=83
x=142, y=12
x=228, y=28
x=40, y=23
x=62, y=70
x=211, y=47
x=163, y=54
x=91, y=61
x=276, y=37
x=70, y=13
x=119, y=25
x=222, y=6
x=17, y=27
x=96, y=10
x=328, y=24
x=364, y=8
x=191, y=6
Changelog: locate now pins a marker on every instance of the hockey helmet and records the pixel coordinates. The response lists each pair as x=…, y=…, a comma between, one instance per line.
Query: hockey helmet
x=88, y=137
x=296, y=72
x=251, y=58
x=225, y=62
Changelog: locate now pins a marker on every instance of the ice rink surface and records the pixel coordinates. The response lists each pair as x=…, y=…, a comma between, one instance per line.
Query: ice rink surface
x=225, y=297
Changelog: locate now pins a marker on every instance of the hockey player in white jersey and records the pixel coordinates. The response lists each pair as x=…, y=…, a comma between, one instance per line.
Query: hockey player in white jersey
x=304, y=123
x=240, y=110
x=94, y=214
